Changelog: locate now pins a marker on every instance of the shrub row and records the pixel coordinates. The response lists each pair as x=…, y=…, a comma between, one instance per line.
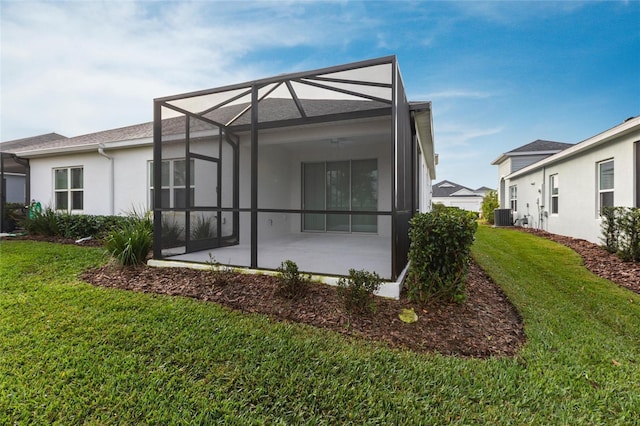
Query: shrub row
x=356, y=291
x=621, y=232
x=52, y=223
x=440, y=252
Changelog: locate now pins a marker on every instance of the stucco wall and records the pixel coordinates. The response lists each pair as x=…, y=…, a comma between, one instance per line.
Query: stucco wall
x=578, y=191
x=281, y=154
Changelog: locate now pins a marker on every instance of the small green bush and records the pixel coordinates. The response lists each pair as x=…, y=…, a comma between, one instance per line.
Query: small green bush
x=172, y=233
x=357, y=290
x=291, y=283
x=43, y=223
x=609, y=229
x=130, y=245
x=620, y=229
x=489, y=204
x=203, y=228
x=440, y=253
x=14, y=215
x=629, y=238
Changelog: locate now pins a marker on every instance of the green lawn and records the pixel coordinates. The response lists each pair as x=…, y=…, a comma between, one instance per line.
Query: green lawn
x=71, y=353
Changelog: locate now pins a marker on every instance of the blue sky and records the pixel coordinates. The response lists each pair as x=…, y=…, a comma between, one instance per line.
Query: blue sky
x=499, y=74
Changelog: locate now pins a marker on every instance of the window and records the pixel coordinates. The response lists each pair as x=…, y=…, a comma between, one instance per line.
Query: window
x=340, y=185
x=69, y=189
x=553, y=186
x=174, y=181
x=605, y=184
x=513, y=198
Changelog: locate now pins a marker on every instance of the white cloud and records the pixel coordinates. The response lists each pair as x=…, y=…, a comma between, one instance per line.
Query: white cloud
x=460, y=134
x=457, y=93
x=79, y=67
x=512, y=13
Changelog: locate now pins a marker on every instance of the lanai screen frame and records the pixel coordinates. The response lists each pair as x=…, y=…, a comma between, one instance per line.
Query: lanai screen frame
x=12, y=164
x=403, y=150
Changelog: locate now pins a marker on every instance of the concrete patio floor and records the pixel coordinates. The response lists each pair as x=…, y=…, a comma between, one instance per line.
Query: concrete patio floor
x=322, y=254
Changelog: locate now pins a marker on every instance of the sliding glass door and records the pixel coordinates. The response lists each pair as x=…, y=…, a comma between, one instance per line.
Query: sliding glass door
x=341, y=186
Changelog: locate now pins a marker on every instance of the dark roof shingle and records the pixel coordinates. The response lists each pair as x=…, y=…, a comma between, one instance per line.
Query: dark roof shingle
x=542, y=145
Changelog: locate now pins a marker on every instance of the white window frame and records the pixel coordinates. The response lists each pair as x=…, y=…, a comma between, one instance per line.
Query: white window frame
x=513, y=198
x=603, y=191
x=172, y=186
x=68, y=190
x=554, y=194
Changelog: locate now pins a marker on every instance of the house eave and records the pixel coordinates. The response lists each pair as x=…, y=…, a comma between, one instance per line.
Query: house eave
x=78, y=149
x=424, y=134
x=623, y=129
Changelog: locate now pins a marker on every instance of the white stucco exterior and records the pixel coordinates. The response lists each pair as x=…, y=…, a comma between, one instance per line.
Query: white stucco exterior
x=116, y=176
x=106, y=191
x=576, y=172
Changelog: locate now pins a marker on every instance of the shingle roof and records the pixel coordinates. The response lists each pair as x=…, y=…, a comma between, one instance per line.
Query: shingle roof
x=484, y=189
x=273, y=109
x=20, y=144
x=446, y=188
x=542, y=145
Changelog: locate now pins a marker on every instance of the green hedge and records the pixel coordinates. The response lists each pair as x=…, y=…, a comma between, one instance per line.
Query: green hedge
x=440, y=252
x=52, y=223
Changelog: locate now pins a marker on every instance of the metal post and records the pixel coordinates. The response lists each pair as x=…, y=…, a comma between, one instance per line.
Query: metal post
x=254, y=176
x=157, y=180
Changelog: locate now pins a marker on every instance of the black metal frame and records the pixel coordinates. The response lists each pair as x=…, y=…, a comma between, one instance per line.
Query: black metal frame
x=11, y=163
x=402, y=149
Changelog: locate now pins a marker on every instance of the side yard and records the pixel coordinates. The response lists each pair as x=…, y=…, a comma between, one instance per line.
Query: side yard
x=73, y=353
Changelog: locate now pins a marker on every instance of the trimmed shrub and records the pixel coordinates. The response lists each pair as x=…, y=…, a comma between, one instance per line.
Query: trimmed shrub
x=357, y=290
x=621, y=232
x=440, y=253
x=291, y=283
x=629, y=237
x=52, y=223
x=489, y=204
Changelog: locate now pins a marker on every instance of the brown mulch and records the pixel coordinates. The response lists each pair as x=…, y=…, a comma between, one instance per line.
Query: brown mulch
x=486, y=324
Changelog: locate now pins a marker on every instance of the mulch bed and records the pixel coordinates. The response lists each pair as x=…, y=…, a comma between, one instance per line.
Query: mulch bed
x=486, y=324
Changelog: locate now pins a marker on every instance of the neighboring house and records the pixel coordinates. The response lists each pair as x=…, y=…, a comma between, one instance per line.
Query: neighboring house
x=323, y=167
x=455, y=195
x=512, y=161
x=565, y=192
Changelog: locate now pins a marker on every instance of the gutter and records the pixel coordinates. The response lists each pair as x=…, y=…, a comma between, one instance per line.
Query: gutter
x=111, y=177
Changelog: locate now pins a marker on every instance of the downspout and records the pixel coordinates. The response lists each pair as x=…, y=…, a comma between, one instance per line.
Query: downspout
x=111, y=177
x=543, y=198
